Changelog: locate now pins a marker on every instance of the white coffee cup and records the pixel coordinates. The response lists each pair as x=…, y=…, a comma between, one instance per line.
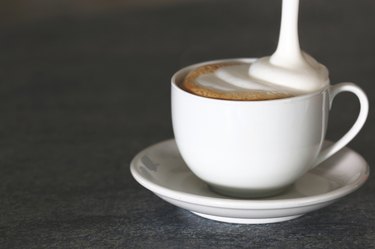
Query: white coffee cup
x=256, y=148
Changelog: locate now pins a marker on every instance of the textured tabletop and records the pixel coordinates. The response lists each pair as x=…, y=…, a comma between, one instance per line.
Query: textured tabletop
x=80, y=95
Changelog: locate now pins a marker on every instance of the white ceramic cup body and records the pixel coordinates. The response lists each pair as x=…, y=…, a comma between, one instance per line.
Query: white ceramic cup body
x=251, y=148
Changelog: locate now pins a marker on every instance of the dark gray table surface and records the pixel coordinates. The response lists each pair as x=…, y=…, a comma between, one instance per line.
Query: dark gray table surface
x=81, y=95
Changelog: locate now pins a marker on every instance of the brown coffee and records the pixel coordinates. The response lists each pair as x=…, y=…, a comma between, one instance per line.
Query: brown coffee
x=191, y=84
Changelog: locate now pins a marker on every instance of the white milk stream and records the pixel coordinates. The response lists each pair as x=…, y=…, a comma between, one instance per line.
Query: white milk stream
x=288, y=70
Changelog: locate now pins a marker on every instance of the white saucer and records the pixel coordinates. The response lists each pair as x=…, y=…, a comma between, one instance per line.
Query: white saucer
x=161, y=169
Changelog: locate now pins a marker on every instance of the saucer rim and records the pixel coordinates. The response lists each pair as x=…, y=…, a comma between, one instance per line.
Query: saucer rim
x=235, y=203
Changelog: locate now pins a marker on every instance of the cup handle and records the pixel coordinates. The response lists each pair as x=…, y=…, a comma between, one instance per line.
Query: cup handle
x=362, y=116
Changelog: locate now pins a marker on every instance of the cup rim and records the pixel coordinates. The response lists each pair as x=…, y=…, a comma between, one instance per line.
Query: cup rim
x=192, y=66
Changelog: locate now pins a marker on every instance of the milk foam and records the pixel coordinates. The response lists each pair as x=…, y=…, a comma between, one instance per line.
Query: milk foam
x=305, y=77
x=289, y=66
x=236, y=78
x=288, y=70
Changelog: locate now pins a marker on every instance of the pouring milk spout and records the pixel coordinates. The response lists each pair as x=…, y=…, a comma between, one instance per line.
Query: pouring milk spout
x=288, y=53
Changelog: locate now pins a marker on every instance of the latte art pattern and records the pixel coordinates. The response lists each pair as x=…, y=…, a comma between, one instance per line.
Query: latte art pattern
x=288, y=72
x=230, y=81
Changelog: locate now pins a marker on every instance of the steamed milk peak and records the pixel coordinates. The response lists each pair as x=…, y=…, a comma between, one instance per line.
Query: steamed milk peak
x=290, y=67
x=307, y=76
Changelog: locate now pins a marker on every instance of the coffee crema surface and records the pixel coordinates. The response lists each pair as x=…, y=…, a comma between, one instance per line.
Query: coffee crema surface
x=231, y=81
x=288, y=72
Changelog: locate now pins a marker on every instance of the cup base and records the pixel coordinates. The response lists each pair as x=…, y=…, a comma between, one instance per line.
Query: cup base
x=246, y=193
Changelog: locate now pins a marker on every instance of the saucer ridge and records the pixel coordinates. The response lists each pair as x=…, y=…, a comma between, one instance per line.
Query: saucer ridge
x=161, y=169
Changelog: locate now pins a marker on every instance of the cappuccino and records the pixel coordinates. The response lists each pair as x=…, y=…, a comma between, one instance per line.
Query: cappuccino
x=229, y=81
x=288, y=72
x=255, y=147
